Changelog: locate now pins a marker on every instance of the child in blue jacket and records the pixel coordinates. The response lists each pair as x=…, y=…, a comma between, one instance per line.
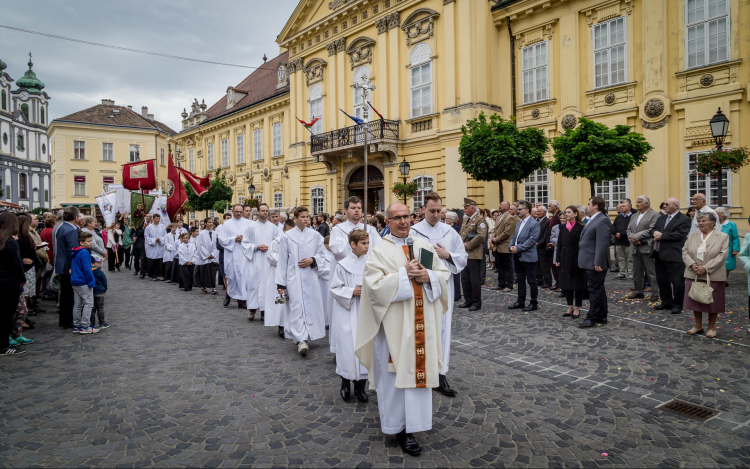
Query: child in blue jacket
x=99, y=290
x=82, y=280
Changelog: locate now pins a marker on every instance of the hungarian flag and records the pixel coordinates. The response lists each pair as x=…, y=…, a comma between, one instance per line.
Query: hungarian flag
x=199, y=185
x=308, y=125
x=139, y=176
x=176, y=195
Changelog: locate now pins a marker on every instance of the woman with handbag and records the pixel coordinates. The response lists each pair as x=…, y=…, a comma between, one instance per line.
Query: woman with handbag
x=705, y=256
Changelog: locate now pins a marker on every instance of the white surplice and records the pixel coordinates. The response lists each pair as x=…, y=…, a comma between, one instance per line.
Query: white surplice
x=325, y=281
x=169, y=247
x=273, y=311
x=236, y=268
x=450, y=240
x=186, y=251
x=338, y=242
x=154, y=249
x=304, y=318
x=206, y=245
x=257, y=233
x=345, y=279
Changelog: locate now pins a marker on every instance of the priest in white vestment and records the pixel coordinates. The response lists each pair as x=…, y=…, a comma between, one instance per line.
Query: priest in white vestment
x=236, y=268
x=399, y=329
x=301, y=260
x=338, y=242
x=450, y=249
x=255, y=245
x=155, y=236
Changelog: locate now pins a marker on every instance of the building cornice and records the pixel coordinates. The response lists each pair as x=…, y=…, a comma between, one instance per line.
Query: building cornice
x=61, y=123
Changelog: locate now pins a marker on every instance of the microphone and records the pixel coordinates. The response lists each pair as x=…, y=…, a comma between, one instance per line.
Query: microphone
x=410, y=244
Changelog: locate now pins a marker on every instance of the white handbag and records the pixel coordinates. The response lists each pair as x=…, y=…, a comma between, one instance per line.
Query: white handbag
x=702, y=292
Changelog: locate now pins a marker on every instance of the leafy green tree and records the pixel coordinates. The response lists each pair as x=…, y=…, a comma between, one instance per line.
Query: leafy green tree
x=216, y=198
x=593, y=151
x=496, y=150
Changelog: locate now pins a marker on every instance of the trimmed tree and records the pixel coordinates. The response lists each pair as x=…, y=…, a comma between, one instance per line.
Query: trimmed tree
x=216, y=198
x=593, y=151
x=496, y=150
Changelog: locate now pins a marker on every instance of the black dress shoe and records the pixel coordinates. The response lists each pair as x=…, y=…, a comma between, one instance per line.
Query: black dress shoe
x=516, y=305
x=227, y=300
x=408, y=444
x=531, y=307
x=346, y=391
x=241, y=304
x=359, y=390
x=586, y=323
x=614, y=270
x=466, y=304
x=281, y=331
x=600, y=321
x=662, y=306
x=444, y=388
x=475, y=308
x=676, y=310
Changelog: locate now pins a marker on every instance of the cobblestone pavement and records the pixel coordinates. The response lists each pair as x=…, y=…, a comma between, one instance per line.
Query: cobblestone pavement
x=178, y=380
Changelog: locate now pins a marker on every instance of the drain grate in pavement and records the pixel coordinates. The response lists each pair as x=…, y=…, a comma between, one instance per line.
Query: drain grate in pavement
x=689, y=410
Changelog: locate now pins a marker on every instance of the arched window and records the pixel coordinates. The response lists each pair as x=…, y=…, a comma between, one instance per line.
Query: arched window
x=317, y=200
x=425, y=184
x=25, y=110
x=42, y=115
x=359, y=102
x=316, y=108
x=4, y=100
x=420, y=84
x=21, y=186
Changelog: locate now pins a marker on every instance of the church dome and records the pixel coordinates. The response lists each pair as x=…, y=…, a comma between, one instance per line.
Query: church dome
x=29, y=79
x=3, y=65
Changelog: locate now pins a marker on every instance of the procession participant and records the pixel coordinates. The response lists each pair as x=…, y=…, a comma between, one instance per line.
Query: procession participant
x=180, y=226
x=398, y=329
x=247, y=212
x=255, y=244
x=301, y=260
x=235, y=267
x=209, y=257
x=273, y=216
x=155, y=235
x=450, y=249
x=283, y=217
x=217, y=229
x=340, y=248
x=169, y=251
x=346, y=289
x=274, y=310
x=186, y=251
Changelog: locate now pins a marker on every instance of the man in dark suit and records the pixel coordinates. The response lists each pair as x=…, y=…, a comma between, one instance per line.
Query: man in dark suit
x=66, y=239
x=543, y=263
x=670, y=233
x=523, y=248
x=593, y=257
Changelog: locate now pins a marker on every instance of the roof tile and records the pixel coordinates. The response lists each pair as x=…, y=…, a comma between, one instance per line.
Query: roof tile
x=102, y=114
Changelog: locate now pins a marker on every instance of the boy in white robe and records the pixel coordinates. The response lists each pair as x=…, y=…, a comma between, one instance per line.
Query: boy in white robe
x=274, y=311
x=236, y=268
x=155, y=236
x=169, y=252
x=209, y=257
x=346, y=289
x=450, y=249
x=255, y=245
x=301, y=260
x=186, y=252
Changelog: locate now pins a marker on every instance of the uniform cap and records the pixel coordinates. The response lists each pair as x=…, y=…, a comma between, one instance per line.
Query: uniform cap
x=468, y=201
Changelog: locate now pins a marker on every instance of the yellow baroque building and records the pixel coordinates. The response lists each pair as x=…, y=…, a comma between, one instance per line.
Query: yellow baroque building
x=663, y=67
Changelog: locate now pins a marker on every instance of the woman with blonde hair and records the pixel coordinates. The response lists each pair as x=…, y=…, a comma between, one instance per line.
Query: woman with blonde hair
x=114, y=247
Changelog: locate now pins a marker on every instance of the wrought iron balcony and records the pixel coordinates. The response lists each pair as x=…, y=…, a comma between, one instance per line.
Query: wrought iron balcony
x=379, y=131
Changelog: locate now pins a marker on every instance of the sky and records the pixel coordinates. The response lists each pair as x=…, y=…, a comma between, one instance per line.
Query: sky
x=78, y=76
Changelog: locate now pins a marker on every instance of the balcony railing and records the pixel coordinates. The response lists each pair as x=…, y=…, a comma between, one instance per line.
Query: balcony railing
x=381, y=129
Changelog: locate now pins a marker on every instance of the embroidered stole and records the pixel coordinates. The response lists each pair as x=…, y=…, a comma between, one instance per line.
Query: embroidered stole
x=419, y=339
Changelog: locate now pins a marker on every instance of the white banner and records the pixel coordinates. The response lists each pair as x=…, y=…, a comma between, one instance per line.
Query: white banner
x=108, y=206
x=160, y=207
x=123, y=198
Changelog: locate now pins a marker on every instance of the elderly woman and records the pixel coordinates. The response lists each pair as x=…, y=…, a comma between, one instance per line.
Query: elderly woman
x=730, y=229
x=97, y=244
x=745, y=260
x=705, y=255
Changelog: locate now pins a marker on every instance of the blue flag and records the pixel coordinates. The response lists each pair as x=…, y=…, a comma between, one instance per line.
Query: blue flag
x=355, y=119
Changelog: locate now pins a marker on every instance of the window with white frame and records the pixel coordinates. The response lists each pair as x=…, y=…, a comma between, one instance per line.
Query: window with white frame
x=316, y=108
x=241, y=149
x=191, y=160
x=257, y=144
x=211, y=213
x=705, y=184
x=425, y=184
x=359, y=101
x=108, y=152
x=79, y=150
x=210, y=156
x=192, y=215
x=609, y=52
x=420, y=85
x=225, y=153
x=277, y=139
x=241, y=200
x=278, y=200
x=536, y=187
x=707, y=32
x=135, y=153
x=79, y=186
x=613, y=192
x=534, y=66
x=258, y=197
x=317, y=200
x=161, y=159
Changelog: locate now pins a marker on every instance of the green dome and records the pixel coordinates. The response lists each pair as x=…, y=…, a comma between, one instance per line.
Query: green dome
x=29, y=80
x=3, y=65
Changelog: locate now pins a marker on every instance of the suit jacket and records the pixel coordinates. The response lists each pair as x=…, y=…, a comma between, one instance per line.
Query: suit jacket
x=66, y=239
x=642, y=231
x=504, y=230
x=593, y=248
x=544, y=228
x=526, y=241
x=553, y=222
x=717, y=249
x=673, y=237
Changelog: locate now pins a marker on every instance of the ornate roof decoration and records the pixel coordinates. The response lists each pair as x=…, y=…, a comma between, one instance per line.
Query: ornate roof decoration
x=29, y=80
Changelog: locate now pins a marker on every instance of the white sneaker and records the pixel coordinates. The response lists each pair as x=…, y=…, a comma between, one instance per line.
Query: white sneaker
x=302, y=347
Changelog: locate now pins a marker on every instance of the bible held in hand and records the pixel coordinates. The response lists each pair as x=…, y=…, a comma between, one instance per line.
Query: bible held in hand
x=425, y=258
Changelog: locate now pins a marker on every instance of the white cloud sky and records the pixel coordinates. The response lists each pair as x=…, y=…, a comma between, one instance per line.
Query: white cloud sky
x=78, y=76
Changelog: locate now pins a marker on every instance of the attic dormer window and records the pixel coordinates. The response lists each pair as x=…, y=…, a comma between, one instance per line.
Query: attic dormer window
x=230, y=96
x=281, y=73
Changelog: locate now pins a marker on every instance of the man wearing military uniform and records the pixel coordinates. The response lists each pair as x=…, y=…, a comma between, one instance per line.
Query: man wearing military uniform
x=473, y=233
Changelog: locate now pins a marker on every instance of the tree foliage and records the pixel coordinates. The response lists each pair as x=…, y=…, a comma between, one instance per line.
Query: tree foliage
x=218, y=196
x=593, y=151
x=496, y=150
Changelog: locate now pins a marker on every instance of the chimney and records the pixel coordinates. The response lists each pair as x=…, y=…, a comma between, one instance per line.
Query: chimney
x=130, y=107
x=144, y=111
x=150, y=117
x=108, y=102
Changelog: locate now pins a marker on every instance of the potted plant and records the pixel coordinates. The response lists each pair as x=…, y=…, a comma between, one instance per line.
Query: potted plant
x=716, y=161
x=253, y=203
x=402, y=190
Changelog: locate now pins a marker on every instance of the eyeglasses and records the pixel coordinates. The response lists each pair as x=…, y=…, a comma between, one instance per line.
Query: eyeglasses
x=398, y=219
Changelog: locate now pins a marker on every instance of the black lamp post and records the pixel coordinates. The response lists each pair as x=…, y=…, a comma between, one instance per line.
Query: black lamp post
x=719, y=128
x=251, y=189
x=404, y=168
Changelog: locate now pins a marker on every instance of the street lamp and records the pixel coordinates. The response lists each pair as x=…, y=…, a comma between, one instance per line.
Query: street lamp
x=404, y=168
x=719, y=128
